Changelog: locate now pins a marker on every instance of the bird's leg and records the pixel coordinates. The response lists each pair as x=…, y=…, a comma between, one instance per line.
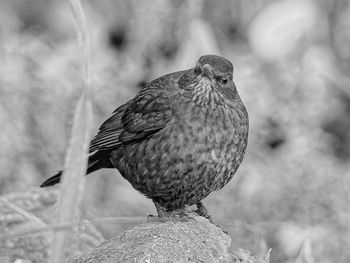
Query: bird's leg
x=202, y=211
x=165, y=214
x=162, y=212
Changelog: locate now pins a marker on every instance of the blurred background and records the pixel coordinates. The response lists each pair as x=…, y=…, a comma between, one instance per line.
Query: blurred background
x=292, y=70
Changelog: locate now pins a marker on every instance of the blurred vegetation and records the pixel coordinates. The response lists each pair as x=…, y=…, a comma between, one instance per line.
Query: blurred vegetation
x=292, y=70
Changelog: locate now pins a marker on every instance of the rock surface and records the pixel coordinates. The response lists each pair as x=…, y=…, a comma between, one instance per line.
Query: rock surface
x=195, y=240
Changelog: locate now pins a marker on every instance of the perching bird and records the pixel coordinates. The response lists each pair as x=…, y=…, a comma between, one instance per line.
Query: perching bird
x=182, y=137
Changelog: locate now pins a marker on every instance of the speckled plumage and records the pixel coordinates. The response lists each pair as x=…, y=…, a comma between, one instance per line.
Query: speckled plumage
x=182, y=137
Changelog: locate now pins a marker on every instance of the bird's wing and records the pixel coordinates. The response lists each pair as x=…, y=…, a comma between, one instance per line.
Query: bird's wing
x=149, y=113
x=108, y=134
x=139, y=118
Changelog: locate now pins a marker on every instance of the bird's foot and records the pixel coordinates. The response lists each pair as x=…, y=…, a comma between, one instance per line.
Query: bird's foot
x=202, y=211
x=176, y=215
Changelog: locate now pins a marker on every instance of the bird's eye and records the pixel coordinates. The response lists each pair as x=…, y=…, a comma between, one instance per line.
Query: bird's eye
x=224, y=81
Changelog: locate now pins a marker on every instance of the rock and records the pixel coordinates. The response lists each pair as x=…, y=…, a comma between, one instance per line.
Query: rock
x=195, y=240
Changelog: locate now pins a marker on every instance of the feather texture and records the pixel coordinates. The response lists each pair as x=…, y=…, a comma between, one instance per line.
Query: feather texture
x=183, y=136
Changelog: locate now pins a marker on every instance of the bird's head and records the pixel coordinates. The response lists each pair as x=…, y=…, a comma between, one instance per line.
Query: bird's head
x=210, y=79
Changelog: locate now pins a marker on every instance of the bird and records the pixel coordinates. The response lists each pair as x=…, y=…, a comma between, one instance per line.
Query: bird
x=183, y=136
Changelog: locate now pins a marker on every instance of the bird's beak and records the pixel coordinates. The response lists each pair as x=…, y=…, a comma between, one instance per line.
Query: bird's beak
x=207, y=71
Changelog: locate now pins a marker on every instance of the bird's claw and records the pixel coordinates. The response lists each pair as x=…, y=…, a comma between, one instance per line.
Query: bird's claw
x=202, y=211
x=178, y=215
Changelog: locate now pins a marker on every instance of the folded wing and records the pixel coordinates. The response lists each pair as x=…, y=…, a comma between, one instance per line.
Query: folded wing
x=148, y=113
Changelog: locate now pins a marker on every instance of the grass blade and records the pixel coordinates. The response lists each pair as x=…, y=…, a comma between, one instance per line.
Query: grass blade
x=72, y=186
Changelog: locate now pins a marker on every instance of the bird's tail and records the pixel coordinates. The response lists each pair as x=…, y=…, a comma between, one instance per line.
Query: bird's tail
x=52, y=180
x=96, y=161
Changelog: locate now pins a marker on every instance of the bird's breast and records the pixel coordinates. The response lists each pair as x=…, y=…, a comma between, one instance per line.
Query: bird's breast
x=215, y=136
